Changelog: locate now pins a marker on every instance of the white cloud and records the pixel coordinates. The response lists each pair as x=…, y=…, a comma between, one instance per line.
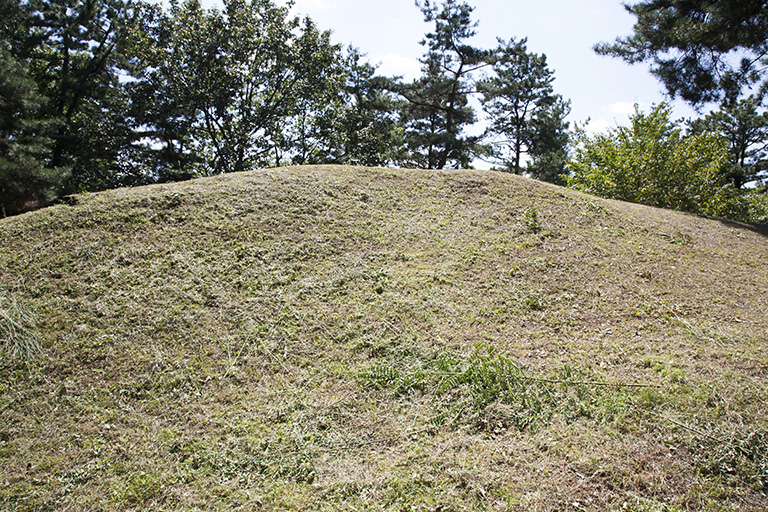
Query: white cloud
x=621, y=108
x=393, y=64
x=312, y=6
x=598, y=125
x=615, y=114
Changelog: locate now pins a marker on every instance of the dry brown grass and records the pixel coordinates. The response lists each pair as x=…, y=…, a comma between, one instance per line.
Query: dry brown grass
x=214, y=345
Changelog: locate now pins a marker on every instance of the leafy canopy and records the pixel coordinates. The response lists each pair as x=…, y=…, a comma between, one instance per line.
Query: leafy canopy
x=652, y=162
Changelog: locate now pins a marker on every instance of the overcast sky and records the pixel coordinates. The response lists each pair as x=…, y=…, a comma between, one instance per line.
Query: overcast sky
x=602, y=89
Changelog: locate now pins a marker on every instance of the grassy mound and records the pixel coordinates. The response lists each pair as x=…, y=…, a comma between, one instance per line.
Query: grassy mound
x=335, y=338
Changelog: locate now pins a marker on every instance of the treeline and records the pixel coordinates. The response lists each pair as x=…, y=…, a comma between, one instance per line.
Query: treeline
x=97, y=94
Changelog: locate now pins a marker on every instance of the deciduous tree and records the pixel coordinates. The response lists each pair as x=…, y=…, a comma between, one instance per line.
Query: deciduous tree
x=652, y=162
x=356, y=122
x=242, y=87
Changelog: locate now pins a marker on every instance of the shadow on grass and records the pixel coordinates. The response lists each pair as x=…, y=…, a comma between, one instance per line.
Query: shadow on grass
x=760, y=229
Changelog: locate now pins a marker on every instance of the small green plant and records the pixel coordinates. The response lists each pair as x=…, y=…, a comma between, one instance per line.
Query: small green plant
x=678, y=239
x=17, y=336
x=531, y=219
x=535, y=303
x=489, y=390
x=740, y=455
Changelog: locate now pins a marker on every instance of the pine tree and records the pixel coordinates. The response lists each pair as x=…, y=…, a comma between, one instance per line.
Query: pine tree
x=526, y=115
x=549, y=146
x=25, y=181
x=744, y=125
x=437, y=108
x=79, y=54
x=701, y=50
x=356, y=122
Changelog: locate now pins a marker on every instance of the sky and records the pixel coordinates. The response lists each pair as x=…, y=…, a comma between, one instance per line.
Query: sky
x=601, y=89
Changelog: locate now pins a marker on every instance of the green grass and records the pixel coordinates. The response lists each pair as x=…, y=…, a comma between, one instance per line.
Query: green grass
x=336, y=338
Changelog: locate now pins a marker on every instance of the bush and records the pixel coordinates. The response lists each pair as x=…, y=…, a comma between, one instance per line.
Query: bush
x=652, y=162
x=758, y=207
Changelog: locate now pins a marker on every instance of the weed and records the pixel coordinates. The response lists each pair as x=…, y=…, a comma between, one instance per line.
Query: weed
x=141, y=488
x=535, y=303
x=531, y=219
x=17, y=335
x=490, y=391
x=678, y=239
x=742, y=455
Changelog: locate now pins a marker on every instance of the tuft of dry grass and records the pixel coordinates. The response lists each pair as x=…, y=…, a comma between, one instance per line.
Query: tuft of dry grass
x=17, y=335
x=340, y=338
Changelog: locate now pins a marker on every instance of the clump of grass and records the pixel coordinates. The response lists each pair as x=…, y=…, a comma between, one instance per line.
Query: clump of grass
x=17, y=335
x=491, y=391
x=741, y=455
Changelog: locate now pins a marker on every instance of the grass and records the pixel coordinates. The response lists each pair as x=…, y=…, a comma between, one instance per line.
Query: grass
x=17, y=335
x=336, y=338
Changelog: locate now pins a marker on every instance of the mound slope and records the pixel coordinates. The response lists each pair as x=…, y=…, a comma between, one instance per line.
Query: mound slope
x=337, y=338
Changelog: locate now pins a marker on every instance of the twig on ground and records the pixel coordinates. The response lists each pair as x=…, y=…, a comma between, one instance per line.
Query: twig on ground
x=595, y=383
x=688, y=427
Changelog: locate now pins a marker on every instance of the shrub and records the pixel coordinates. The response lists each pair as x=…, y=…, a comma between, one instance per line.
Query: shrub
x=652, y=162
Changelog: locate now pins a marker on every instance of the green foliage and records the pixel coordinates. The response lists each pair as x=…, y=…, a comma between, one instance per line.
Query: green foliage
x=121, y=92
x=549, y=147
x=758, y=206
x=240, y=89
x=358, y=124
x=526, y=116
x=701, y=50
x=490, y=391
x=745, y=128
x=24, y=180
x=78, y=54
x=437, y=104
x=531, y=219
x=251, y=86
x=166, y=101
x=740, y=455
x=308, y=131
x=131, y=94
x=652, y=162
